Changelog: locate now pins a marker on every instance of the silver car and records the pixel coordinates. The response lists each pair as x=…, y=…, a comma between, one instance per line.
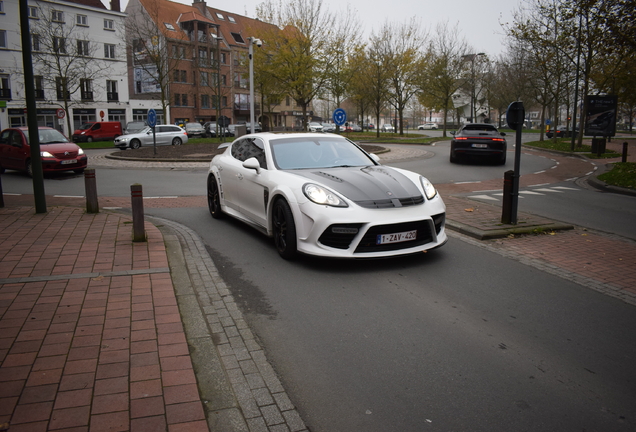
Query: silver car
x=165, y=135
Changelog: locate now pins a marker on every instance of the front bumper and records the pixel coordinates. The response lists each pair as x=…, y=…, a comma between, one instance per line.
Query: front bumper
x=353, y=232
x=57, y=165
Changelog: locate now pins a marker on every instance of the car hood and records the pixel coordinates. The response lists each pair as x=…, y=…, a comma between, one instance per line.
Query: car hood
x=369, y=186
x=56, y=148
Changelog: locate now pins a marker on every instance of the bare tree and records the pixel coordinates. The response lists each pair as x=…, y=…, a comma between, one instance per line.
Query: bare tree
x=441, y=69
x=65, y=58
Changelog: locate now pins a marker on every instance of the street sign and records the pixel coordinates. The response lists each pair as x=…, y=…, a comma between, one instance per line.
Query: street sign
x=339, y=116
x=60, y=113
x=152, y=118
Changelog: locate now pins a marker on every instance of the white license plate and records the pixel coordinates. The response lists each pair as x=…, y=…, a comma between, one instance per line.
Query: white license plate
x=68, y=161
x=396, y=237
x=480, y=145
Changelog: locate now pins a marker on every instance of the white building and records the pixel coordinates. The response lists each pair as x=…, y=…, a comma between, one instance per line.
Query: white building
x=89, y=40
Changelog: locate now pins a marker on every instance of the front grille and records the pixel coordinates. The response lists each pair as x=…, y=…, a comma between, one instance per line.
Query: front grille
x=392, y=203
x=61, y=155
x=339, y=236
x=424, y=235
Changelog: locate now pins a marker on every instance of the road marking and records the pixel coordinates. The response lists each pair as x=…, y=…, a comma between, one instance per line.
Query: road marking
x=484, y=197
x=548, y=190
x=468, y=182
x=68, y=196
x=565, y=187
x=530, y=193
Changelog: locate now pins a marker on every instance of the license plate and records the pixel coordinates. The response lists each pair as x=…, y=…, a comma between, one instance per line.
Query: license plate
x=396, y=237
x=480, y=145
x=68, y=161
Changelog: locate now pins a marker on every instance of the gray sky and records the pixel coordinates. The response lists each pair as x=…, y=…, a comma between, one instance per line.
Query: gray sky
x=479, y=20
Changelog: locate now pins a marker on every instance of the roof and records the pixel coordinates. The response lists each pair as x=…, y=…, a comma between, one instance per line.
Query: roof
x=92, y=3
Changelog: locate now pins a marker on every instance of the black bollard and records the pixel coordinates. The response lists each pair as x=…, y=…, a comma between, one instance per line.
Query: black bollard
x=506, y=212
x=624, y=157
x=90, y=185
x=137, y=202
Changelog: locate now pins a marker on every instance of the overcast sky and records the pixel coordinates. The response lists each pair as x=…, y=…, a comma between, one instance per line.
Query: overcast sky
x=479, y=20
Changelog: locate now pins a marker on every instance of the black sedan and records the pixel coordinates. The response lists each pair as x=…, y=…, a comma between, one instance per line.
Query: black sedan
x=480, y=140
x=561, y=132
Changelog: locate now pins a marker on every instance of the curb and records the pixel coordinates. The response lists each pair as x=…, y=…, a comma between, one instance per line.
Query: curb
x=503, y=232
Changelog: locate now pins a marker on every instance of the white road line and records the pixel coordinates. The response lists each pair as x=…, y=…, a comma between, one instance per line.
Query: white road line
x=484, y=197
x=468, y=182
x=549, y=190
x=565, y=187
x=68, y=196
x=530, y=193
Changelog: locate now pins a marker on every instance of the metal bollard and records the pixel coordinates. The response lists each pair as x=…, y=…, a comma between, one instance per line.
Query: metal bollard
x=506, y=212
x=1, y=194
x=624, y=157
x=90, y=185
x=137, y=201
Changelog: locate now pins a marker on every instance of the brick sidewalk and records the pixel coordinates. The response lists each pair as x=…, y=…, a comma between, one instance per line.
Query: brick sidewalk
x=91, y=335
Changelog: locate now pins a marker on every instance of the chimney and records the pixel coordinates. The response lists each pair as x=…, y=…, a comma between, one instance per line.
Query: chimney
x=115, y=6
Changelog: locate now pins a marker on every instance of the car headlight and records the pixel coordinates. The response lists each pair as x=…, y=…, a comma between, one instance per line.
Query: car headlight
x=46, y=154
x=320, y=195
x=80, y=151
x=429, y=189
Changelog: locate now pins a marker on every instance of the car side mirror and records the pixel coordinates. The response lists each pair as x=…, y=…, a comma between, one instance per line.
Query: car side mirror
x=252, y=163
x=375, y=157
x=452, y=132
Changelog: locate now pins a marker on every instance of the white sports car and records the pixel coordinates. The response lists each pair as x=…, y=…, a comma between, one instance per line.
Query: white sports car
x=321, y=194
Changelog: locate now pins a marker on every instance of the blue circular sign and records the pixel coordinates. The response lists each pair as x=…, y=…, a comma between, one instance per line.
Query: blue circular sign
x=339, y=116
x=152, y=117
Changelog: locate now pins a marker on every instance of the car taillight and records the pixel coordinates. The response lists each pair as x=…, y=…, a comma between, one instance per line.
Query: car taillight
x=461, y=138
x=498, y=139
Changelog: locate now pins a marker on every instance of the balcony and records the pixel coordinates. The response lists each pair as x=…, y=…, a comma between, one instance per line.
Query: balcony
x=87, y=95
x=5, y=93
x=112, y=96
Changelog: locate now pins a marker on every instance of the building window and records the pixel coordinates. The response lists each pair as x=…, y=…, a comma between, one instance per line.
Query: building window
x=86, y=87
x=111, y=91
x=57, y=16
x=224, y=80
x=109, y=24
x=83, y=48
x=39, y=87
x=5, y=87
x=205, y=101
x=238, y=38
x=204, y=79
x=61, y=89
x=224, y=100
x=59, y=45
x=82, y=20
x=177, y=99
x=223, y=58
x=240, y=81
x=32, y=11
x=3, y=39
x=109, y=51
x=1, y=7
x=169, y=26
x=184, y=100
x=35, y=42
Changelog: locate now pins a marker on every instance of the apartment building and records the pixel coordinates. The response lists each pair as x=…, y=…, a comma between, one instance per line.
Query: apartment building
x=194, y=60
x=79, y=63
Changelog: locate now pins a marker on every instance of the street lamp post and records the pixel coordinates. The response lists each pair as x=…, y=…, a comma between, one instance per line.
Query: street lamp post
x=252, y=41
x=219, y=132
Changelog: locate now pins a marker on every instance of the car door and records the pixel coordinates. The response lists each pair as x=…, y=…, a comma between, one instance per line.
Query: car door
x=15, y=151
x=252, y=185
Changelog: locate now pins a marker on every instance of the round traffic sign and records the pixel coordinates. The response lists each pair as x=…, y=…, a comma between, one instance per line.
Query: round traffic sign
x=152, y=117
x=60, y=113
x=339, y=116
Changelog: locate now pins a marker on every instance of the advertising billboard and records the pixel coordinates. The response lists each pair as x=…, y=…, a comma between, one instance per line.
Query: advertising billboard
x=600, y=118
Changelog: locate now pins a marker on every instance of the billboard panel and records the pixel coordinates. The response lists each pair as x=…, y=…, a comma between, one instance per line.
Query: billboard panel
x=600, y=118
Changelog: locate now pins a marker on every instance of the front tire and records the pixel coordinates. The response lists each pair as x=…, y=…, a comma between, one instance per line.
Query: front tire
x=284, y=230
x=214, y=198
x=89, y=139
x=176, y=141
x=135, y=144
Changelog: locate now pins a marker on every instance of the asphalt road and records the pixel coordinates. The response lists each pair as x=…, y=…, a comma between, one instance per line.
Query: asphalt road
x=457, y=339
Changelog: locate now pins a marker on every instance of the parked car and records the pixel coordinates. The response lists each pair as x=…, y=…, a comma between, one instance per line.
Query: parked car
x=314, y=127
x=134, y=127
x=97, y=131
x=357, y=207
x=387, y=128
x=432, y=126
x=480, y=140
x=369, y=126
x=210, y=130
x=328, y=127
x=194, y=130
x=561, y=132
x=257, y=128
x=165, y=135
x=57, y=153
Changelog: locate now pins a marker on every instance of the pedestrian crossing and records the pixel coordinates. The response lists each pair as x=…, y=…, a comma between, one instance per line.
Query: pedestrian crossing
x=498, y=195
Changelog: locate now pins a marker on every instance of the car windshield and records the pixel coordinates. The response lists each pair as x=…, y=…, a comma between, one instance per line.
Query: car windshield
x=328, y=152
x=48, y=136
x=194, y=126
x=135, y=127
x=86, y=126
x=483, y=128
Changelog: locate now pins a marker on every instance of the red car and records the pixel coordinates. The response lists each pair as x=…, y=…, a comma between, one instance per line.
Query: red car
x=56, y=151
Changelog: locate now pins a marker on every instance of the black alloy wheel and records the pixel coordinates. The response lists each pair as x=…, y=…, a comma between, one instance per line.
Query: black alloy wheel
x=135, y=144
x=284, y=230
x=214, y=198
